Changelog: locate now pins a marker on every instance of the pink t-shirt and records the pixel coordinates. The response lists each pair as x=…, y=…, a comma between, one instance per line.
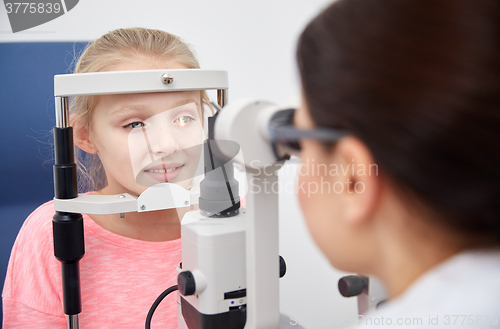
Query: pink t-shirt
x=120, y=278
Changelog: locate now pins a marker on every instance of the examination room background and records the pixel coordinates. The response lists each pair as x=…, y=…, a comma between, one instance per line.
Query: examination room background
x=253, y=40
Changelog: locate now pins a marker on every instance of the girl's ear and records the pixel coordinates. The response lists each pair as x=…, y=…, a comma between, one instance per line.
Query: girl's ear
x=81, y=137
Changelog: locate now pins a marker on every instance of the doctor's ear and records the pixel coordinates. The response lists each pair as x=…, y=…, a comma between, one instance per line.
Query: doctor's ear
x=81, y=137
x=361, y=177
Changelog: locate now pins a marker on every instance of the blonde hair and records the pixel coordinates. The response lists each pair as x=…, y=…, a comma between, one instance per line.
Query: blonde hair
x=110, y=50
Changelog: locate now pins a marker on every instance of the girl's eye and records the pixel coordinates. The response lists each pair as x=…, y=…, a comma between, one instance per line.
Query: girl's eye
x=134, y=125
x=184, y=120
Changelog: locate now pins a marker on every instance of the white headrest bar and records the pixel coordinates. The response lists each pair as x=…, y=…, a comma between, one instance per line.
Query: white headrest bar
x=140, y=81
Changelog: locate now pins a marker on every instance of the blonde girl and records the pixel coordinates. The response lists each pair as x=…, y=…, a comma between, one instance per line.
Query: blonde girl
x=128, y=261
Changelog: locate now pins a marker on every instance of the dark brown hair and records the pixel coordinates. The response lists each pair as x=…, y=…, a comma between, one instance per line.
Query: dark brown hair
x=418, y=81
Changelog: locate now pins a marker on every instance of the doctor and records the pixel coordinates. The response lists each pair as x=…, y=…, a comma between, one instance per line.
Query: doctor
x=415, y=85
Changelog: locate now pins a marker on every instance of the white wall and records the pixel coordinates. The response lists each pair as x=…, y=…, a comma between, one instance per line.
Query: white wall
x=255, y=41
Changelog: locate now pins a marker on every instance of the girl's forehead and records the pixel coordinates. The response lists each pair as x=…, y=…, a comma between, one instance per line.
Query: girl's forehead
x=164, y=100
x=146, y=62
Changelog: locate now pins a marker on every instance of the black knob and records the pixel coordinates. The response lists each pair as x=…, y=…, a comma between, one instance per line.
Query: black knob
x=282, y=267
x=186, y=284
x=352, y=285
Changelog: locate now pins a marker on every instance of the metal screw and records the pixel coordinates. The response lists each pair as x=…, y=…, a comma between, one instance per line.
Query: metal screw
x=143, y=207
x=167, y=78
x=186, y=202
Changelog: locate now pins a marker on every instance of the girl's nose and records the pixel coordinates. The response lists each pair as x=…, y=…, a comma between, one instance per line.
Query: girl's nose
x=163, y=142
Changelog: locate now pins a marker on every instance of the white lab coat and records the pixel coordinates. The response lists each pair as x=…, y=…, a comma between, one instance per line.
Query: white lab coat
x=462, y=292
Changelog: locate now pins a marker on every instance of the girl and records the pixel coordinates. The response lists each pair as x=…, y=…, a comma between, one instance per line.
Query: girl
x=416, y=86
x=128, y=261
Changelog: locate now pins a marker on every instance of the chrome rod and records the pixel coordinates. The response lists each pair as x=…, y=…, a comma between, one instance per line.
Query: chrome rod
x=62, y=112
x=73, y=321
x=222, y=97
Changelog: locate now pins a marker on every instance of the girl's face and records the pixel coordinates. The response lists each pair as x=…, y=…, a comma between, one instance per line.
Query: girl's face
x=148, y=138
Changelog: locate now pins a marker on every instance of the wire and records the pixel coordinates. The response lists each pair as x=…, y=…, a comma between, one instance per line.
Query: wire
x=156, y=303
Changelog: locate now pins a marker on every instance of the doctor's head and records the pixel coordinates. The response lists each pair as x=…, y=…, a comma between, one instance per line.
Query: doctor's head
x=416, y=84
x=168, y=122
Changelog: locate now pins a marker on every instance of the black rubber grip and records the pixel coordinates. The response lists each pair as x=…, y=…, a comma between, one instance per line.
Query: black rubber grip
x=69, y=243
x=65, y=178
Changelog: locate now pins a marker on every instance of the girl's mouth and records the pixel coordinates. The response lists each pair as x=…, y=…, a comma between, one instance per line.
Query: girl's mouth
x=161, y=173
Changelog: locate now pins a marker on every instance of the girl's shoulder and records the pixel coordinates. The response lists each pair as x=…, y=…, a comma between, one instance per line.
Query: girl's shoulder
x=35, y=234
x=40, y=220
x=45, y=210
x=32, y=256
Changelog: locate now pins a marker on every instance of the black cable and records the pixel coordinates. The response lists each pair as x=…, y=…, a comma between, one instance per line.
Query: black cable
x=156, y=303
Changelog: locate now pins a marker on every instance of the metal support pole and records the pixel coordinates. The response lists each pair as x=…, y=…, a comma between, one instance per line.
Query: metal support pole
x=69, y=245
x=62, y=112
x=222, y=97
x=73, y=322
